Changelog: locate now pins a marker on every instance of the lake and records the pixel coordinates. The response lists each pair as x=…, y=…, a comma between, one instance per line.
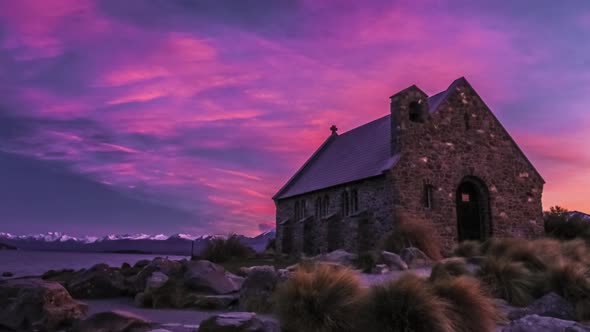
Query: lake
x=32, y=263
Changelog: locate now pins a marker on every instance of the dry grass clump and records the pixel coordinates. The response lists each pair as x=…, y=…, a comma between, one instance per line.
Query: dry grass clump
x=572, y=282
x=413, y=232
x=576, y=251
x=221, y=250
x=406, y=304
x=473, y=309
x=449, y=268
x=468, y=249
x=319, y=298
x=513, y=280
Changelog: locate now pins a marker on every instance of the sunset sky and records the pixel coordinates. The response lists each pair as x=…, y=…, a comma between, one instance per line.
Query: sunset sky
x=178, y=116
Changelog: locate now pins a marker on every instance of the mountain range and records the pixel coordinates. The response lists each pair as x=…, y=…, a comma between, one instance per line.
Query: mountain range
x=176, y=244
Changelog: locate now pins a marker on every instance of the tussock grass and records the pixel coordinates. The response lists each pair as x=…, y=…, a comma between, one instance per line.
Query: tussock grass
x=411, y=231
x=572, y=282
x=319, y=298
x=513, y=280
x=473, y=309
x=222, y=250
x=449, y=268
x=406, y=304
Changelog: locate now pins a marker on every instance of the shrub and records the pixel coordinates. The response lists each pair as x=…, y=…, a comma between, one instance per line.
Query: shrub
x=221, y=250
x=576, y=251
x=413, y=232
x=468, y=249
x=572, y=282
x=500, y=247
x=406, y=304
x=271, y=244
x=449, y=269
x=473, y=309
x=562, y=224
x=319, y=298
x=512, y=281
x=367, y=261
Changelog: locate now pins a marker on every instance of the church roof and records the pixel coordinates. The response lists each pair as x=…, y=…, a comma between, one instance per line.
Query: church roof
x=357, y=154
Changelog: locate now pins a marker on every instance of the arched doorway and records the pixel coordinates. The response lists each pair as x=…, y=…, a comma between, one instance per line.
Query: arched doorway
x=473, y=213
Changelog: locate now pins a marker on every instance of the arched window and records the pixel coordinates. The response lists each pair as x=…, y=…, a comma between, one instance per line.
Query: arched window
x=428, y=193
x=297, y=211
x=467, y=121
x=354, y=201
x=415, y=111
x=318, y=207
x=345, y=203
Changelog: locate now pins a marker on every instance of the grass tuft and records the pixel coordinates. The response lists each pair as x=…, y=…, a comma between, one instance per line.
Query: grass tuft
x=413, y=232
x=449, y=268
x=222, y=250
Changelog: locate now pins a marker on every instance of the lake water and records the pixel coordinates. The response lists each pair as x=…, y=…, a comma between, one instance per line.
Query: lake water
x=32, y=263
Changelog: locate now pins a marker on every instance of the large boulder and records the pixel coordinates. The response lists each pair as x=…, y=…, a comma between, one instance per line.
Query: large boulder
x=415, y=258
x=62, y=276
x=535, y=323
x=210, y=302
x=100, y=281
x=204, y=276
x=156, y=280
x=393, y=261
x=238, y=322
x=168, y=267
x=257, y=289
x=550, y=305
x=113, y=321
x=35, y=304
x=339, y=256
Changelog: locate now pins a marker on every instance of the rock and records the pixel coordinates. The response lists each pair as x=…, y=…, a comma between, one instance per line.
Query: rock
x=62, y=276
x=142, y=263
x=204, y=276
x=210, y=302
x=339, y=256
x=100, y=281
x=29, y=304
x=238, y=322
x=125, y=266
x=535, y=323
x=550, y=305
x=283, y=274
x=257, y=289
x=156, y=280
x=142, y=300
x=168, y=267
x=7, y=274
x=380, y=269
x=415, y=258
x=112, y=321
x=393, y=261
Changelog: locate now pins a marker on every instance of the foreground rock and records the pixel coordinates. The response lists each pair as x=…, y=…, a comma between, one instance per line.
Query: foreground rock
x=238, y=322
x=204, y=276
x=550, y=305
x=393, y=261
x=35, y=304
x=113, y=321
x=415, y=258
x=170, y=268
x=257, y=290
x=535, y=323
x=100, y=281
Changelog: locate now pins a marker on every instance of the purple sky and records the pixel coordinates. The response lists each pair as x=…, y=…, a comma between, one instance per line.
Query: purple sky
x=171, y=116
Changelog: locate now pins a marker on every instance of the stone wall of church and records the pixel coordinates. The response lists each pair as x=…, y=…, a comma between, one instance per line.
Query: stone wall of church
x=332, y=229
x=464, y=139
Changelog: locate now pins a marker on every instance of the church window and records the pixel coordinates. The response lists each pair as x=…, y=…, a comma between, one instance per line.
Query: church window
x=345, y=203
x=318, y=207
x=415, y=109
x=467, y=121
x=428, y=195
x=354, y=201
x=326, y=206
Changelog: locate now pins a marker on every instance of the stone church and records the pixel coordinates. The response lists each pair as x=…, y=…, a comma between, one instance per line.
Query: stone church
x=445, y=159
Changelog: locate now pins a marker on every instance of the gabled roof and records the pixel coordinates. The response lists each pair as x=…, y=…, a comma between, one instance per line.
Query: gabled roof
x=360, y=153
x=357, y=154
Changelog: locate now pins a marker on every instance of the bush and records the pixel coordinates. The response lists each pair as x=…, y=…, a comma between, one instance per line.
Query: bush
x=406, y=304
x=562, y=224
x=412, y=232
x=468, y=249
x=473, y=309
x=319, y=298
x=576, y=251
x=222, y=250
x=572, y=282
x=271, y=244
x=512, y=280
x=367, y=261
x=449, y=269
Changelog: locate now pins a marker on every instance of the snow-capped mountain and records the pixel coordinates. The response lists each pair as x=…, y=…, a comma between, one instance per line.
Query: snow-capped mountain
x=175, y=244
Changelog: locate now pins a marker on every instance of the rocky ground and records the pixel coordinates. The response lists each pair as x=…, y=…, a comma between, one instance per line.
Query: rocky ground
x=166, y=295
